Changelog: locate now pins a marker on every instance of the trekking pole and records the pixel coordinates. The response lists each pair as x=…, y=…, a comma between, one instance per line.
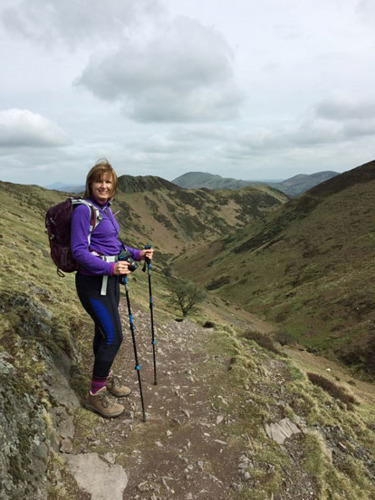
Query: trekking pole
x=131, y=325
x=148, y=264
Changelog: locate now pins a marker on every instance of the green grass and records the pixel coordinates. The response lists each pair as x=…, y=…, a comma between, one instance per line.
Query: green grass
x=302, y=398
x=307, y=267
x=42, y=314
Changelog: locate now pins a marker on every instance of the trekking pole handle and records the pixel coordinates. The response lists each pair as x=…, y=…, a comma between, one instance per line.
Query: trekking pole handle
x=147, y=260
x=147, y=247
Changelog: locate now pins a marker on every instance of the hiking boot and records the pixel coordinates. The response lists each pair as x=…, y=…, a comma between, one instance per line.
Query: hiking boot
x=100, y=403
x=115, y=387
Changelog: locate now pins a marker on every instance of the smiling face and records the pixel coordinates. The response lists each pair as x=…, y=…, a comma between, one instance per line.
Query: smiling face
x=102, y=189
x=101, y=182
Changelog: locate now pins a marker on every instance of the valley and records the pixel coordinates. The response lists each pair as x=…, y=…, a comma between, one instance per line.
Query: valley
x=265, y=390
x=307, y=267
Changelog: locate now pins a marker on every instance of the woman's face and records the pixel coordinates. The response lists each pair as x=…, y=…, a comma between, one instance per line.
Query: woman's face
x=103, y=188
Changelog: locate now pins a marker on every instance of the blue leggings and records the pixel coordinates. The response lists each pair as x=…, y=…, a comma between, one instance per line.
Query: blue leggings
x=103, y=309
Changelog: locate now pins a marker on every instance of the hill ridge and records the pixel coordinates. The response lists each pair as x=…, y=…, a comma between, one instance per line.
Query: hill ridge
x=293, y=186
x=301, y=206
x=140, y=183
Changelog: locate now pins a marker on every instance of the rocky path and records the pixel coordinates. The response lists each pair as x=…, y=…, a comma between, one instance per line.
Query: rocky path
x=182, y=450
x=204, y=437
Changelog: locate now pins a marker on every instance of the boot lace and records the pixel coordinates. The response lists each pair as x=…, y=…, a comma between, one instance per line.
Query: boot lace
x=104, y=400
x=115, y=381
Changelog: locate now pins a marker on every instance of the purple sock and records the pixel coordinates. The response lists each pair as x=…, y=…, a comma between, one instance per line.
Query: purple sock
x=97, y=383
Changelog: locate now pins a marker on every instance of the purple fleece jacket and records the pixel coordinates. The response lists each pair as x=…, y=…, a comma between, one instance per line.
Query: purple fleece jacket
x=103, y=240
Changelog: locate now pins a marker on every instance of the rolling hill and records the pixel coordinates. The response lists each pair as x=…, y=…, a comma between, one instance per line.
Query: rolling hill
x=308, y=267
x=197, y=180
x=292, y=187
x=155, y=210
x=298, y=184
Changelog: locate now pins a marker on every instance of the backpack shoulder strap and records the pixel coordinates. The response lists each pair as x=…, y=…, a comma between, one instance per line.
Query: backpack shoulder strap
x=95, y=215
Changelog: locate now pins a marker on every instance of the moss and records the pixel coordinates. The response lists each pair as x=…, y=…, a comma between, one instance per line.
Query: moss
x=85, y=423
x=295, y=373
x=355, y=471
x=79, y=382
x=314, y=460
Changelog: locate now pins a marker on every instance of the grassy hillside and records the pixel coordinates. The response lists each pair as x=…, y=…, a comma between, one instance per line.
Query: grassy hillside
x=308, y=267
x=173, y=219
x=243, y=393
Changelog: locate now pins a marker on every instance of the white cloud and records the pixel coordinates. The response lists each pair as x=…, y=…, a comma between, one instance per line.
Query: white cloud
x=75, y=23
x=184, y=72
x=22, y=128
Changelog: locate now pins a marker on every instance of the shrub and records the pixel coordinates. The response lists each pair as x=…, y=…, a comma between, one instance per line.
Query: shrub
x=218, y=282
x=185, y=296
x=261, y=339
x=285, y=338
x=333, y=389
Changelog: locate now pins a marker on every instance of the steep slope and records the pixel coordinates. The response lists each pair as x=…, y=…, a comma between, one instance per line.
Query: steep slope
x=308, y=267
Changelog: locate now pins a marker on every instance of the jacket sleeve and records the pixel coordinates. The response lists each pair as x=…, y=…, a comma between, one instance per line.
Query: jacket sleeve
x=79, y=244
x=134, y=253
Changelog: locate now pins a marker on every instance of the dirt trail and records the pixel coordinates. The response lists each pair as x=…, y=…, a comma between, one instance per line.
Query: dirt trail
x=192, y=445
x=181, y=451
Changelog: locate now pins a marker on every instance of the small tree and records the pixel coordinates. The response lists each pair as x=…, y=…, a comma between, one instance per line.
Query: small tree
x=185, y=296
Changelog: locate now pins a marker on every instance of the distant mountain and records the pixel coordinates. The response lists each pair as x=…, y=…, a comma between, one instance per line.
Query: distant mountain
x=292, y=187
x=302, y=182
x=67, y=188
x=196, y=180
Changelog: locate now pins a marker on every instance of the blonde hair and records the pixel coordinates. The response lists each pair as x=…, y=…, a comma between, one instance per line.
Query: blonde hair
x=96, y=173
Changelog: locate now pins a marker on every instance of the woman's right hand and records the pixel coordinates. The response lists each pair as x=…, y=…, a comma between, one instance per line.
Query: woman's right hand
x=121, y=267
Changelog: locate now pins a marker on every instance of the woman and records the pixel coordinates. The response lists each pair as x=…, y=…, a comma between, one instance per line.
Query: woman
x=97, y=283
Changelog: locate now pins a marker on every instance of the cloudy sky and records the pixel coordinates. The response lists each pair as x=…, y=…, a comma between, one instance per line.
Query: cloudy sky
x=251, y=89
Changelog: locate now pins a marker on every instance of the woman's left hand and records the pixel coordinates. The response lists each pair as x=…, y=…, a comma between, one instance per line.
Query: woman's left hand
x=147, y=253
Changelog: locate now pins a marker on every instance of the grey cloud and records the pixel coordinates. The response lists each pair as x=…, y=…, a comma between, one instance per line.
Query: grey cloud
x=22, y=128
x=184, y=73
x=359, y=128
x=75, y=22
x=311, y=132
x=180, y=141
x=343, y=109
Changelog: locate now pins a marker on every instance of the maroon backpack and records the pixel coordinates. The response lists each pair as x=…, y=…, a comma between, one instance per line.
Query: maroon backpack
x=58, y=222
